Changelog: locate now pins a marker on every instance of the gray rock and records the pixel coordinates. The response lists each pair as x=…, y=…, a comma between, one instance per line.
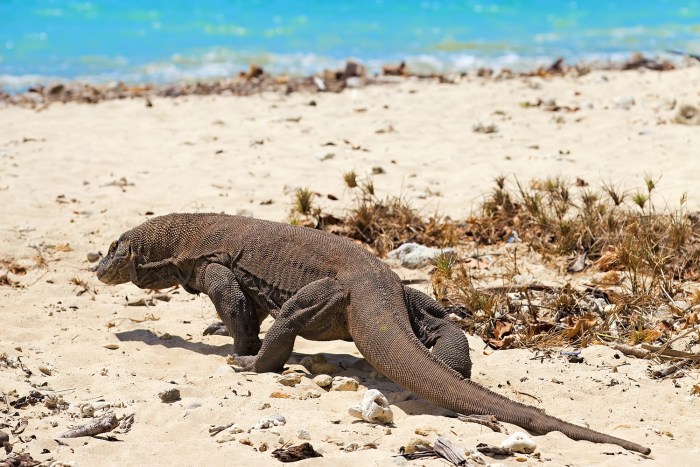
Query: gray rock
x=323, y=380
x=4, y=438
x=291, y=379
x=343, y=383
x=170, y=395
x=413, y=255
x=93, y=256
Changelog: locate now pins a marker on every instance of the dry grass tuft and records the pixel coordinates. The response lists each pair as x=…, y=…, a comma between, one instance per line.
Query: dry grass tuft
x=384, y=224
x=647, y=257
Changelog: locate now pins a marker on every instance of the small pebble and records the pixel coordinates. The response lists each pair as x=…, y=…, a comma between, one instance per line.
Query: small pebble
x=624, y=102
x=170, y=395
x=93, y=256
x=343, y=383
x=487, y=127
x=269, y=422
x=4, y=438
x=291, y=379
x=303, y=434
x=323, y=380
x=44, y=369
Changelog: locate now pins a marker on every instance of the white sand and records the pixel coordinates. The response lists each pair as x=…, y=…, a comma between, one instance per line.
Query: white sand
x=56, y=170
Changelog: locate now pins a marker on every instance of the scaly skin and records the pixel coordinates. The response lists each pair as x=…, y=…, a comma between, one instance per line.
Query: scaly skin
x=321, y=287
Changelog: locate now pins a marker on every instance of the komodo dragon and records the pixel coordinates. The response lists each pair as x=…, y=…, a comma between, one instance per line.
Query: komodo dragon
x=321, y=287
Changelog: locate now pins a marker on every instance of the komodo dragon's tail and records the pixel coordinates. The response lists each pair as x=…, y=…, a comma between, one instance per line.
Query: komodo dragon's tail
x=385, y=338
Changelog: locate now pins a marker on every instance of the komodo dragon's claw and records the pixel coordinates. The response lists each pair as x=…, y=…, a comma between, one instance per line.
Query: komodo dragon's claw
x=242, y=362
x=216, y=329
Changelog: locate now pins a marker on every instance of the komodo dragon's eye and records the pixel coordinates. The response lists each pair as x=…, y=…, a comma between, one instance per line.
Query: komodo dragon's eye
x=113, y=247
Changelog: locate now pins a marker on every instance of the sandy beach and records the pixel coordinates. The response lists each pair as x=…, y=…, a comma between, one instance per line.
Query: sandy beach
x=73, y=177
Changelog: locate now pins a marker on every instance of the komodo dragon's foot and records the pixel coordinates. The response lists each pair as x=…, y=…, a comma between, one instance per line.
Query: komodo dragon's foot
x=243, y=362
x=216, y=329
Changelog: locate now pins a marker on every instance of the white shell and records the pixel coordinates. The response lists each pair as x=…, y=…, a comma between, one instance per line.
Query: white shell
x=374, y=408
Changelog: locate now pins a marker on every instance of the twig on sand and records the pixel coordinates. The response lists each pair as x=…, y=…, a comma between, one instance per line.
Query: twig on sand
x=520, y=288
x=668, y=370
x=666, y=352
x=632, y=351
x=102, y=425
x=496, y=450
x=650, y=351
x=489, y=421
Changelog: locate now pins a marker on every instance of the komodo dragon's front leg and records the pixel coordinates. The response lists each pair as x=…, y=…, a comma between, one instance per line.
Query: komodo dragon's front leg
x=314, y=306
x=237, y=311
x=433, y=328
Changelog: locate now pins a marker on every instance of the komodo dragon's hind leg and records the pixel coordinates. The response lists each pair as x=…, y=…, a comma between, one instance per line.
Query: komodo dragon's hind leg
x=234, y=308
x=313, y=304
x=434, y=329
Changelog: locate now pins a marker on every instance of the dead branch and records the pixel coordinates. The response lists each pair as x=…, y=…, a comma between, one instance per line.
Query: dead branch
x=670, y=352
x=488, y=421
x=102, y=425
x=668, y=370
x=491, y=449
x=633, y=351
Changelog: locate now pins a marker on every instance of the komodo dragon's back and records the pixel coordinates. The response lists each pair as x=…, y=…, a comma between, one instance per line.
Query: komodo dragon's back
x=318, y=276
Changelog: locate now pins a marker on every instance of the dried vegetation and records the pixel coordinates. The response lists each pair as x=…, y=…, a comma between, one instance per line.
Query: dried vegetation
x=630, y=266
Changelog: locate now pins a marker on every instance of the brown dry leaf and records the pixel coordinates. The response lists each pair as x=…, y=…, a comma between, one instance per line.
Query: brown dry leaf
x=696, y=390
x=64, y=247
x=583, y=324
x=534, y=329
x=692, y=320
x=502, y=328
x=505, y=343
x=646, y=335
x=611, y=277
x=282, y=395
x=608, y=260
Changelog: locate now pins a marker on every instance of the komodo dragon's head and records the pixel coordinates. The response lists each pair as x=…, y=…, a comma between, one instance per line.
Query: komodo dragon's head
x=136, y=257
x=118, y=266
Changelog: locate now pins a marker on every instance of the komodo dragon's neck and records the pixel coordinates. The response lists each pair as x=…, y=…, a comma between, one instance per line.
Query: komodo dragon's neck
x=381, y=330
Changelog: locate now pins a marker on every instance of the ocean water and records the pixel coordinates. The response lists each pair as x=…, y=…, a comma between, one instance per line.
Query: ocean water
x=170, y=40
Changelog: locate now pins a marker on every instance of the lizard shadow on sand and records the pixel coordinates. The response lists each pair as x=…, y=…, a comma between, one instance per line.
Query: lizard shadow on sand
x=149, y=338
x=351, y=366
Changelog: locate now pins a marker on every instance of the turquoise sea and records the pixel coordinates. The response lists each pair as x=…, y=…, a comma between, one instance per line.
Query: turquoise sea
x=171, y=40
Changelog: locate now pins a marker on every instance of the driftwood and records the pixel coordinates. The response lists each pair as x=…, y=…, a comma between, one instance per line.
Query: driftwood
x=445, y=449
x=102, y=425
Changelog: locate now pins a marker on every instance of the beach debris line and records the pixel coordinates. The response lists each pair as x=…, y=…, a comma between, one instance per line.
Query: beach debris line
x=255, y=80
